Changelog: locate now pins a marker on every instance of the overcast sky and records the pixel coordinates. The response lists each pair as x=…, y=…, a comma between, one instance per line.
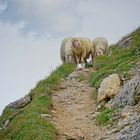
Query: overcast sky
x=31, y=32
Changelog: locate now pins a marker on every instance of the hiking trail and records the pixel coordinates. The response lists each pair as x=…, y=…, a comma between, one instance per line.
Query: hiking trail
x=73, y=109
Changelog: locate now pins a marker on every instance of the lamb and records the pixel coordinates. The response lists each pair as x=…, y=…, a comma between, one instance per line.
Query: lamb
x=101, y=46
x=65, y=51
x=82, y=49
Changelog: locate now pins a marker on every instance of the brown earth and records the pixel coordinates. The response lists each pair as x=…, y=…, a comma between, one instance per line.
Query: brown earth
x=74, y=108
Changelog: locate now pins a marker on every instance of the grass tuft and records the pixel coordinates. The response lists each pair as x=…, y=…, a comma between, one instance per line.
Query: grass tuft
x=104, y=117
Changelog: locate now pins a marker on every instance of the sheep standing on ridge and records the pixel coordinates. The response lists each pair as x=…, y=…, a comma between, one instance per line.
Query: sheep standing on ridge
x=65, y=51
x=82, y=49
x=101, y=46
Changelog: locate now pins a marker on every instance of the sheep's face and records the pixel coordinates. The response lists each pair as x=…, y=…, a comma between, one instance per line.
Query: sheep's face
x=99, y=53
x=76, y=44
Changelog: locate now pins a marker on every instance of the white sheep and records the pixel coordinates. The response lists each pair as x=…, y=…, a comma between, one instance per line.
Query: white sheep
x=65, y=51
x=101, y=46
x=82, y=49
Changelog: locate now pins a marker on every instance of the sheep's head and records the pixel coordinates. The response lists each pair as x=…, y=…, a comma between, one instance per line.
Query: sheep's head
x=99, y=53
x=76, y=43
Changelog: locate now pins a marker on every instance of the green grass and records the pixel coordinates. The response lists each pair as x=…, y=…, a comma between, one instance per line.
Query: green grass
x=104, y=117
x=26, y=123
x=120, y=61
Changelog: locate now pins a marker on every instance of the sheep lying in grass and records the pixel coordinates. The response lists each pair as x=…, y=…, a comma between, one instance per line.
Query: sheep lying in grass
x=65, y=51
x=82, y=49
x=101, y=46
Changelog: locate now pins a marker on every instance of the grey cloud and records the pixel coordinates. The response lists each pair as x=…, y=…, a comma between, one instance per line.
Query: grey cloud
x=43, y=16
x=3, y=5
x=55, y=18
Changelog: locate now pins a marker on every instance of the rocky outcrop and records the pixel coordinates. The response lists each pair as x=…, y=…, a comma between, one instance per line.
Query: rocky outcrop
x=129, y=95
x=109, y=87
x=21, y=102
x=124, y=43
x=130, y=126
x=127, y=126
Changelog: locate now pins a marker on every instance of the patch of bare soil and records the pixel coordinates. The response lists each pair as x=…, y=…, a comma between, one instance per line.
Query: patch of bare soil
x=73, y=109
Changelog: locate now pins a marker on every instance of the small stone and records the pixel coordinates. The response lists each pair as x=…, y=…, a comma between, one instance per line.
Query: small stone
x=98, y=107
x=123, y=79
x=46, y=115
x=6, y=123
x=53, y=111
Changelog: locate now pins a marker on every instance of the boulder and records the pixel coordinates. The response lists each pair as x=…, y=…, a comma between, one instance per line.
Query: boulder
x=109, y=87
x=129, y=95
x=21, y=102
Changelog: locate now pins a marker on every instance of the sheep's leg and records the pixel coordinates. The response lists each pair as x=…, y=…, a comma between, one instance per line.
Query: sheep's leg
x=92, y=58
x=78, y=63
x=66, y=58
x=86, y=63
x=83, y=60
x=69, y=59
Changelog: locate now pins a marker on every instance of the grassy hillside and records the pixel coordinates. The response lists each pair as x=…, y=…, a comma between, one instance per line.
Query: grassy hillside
x=120, y=61
x=26, y=123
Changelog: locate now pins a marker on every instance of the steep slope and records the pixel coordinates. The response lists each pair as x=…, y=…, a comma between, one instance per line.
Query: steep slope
x=26, y=122
x=64, y=106
x=73, y=106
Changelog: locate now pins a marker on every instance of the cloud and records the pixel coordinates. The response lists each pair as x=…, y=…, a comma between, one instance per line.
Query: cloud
x=109, y=18
x=24, y=61
x=3, y=5
x=43, y=16
x=55, y=18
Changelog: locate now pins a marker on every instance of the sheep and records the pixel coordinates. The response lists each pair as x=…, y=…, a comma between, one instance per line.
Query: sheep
x=101, y=46
x=82, y=49
x=65, y=51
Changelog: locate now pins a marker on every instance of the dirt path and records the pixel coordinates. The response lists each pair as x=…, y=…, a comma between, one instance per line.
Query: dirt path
x=73, y=108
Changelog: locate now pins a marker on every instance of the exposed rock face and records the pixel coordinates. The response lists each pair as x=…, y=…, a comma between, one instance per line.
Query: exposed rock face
x=6, y=123
x=127, y=127
x=129, y=95
x=21, y=102
x=109, y=87
x=125, y=42
x=131, y=128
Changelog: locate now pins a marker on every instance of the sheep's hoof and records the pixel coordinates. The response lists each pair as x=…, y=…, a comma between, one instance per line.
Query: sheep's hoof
x=79, y=66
